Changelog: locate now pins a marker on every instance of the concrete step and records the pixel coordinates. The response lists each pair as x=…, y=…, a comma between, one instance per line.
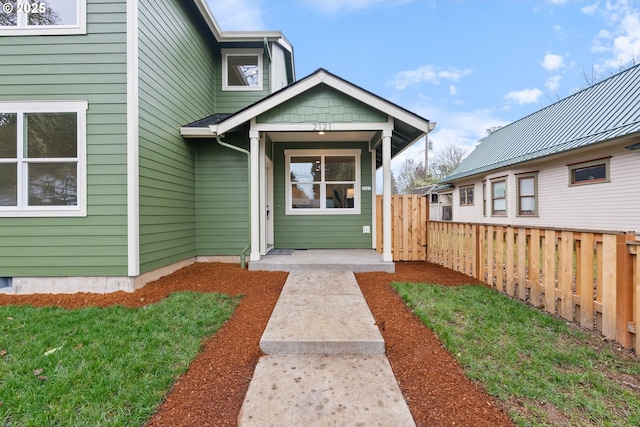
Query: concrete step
x=321, y=313
x=321, y=390
x=355, y=260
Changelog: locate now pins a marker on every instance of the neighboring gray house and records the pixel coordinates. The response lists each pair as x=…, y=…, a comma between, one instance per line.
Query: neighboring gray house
x=137, y=137
x=573, y=164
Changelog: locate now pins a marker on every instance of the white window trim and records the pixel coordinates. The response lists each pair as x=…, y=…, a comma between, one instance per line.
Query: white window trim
x=259, y=53
x=80, y=108
x=322, y=211
x=33, y=30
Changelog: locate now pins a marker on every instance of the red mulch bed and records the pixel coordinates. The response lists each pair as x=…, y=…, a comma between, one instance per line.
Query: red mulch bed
x=212, y=390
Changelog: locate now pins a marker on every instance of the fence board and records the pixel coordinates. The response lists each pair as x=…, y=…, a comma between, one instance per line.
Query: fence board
x=409, y=216
x=585, y=281
x=565, y=275
x=534, y=267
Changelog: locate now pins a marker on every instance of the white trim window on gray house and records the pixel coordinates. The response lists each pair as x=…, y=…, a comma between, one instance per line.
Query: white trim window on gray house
x=573, y=164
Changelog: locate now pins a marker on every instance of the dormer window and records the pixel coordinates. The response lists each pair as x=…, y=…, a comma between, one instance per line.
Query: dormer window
x=51, y=17
x=242, y=69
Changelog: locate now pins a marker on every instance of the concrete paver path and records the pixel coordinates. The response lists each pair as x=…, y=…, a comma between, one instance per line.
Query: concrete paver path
x=325, y=362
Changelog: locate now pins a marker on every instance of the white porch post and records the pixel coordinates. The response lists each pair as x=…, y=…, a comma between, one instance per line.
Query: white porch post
x=386, y=195
x=254, y=137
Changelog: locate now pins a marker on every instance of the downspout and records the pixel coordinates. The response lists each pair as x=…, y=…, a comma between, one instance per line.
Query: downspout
x=242, y=150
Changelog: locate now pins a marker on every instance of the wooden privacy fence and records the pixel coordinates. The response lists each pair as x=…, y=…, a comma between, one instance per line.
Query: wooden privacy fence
x=409, y=216
x=589, y=278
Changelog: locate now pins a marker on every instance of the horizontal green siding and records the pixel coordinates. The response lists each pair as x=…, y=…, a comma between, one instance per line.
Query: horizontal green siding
x=222, y=210
x=321, y=231
x=177, y=86
x=88, y=67
x=322, y=104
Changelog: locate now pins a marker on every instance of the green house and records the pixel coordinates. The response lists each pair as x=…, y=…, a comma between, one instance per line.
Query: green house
x=136, y=137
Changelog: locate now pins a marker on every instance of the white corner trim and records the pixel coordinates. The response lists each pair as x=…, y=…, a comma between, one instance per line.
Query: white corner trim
x=133, y=202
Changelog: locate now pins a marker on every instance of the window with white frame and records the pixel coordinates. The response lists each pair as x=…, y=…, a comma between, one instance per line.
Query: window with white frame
x=42, y=158
x=242, y=69
x=499, y=197
x=323, y=181
x=31, y=17
x=527, y=194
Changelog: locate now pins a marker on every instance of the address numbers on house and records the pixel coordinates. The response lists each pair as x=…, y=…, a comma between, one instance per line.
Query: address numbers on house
x=321, y=127
x=35, y=7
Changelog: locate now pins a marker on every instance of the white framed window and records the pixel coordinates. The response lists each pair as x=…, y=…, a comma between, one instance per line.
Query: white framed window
x=50, y=17
x=322, y=182
x=43, y=159
x=242, y=69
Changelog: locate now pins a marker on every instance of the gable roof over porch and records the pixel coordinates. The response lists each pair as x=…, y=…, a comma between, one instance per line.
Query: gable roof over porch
x=408, y=127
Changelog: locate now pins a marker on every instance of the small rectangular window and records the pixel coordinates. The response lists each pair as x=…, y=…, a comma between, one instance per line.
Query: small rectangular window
x=466, y=195
x=50, y=17
x=527, y=195
x=499, y=197
x=589, y=172
x=242, y=69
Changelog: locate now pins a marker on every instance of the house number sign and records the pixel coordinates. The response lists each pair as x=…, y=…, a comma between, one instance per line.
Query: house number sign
x=321, y=127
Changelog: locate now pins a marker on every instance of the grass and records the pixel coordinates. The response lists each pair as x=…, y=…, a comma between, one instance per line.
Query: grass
x=543, y=371
x=93, y=366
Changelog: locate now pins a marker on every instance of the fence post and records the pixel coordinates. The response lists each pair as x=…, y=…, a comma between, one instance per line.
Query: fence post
x=624, y=293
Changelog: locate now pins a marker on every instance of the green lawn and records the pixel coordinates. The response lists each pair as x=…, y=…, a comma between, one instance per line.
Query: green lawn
x=543, y=371
x=92, y=366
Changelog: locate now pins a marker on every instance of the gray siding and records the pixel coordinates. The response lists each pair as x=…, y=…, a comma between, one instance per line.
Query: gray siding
x=88, y=67
x=177, y=86
x=223, y=201
x=321, y=231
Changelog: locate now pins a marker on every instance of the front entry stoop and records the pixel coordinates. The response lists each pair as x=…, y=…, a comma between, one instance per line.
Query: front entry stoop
x=325, y=362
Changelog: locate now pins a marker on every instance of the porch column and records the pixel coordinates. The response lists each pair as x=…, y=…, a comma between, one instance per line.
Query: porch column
x=386, y=195
x=254, y=148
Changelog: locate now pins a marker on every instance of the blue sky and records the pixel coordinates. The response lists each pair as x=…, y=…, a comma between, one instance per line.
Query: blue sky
x=468, y=65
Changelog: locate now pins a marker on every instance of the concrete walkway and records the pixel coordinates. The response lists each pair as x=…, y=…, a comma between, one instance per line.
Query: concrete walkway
x=325, y=363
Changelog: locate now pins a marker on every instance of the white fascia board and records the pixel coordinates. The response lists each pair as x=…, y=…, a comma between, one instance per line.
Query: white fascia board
x=204, y=132
x=268, y=104
x=312, y=127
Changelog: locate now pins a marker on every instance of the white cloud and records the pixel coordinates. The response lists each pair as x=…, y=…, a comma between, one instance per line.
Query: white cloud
x=621, y=40
x=452, y=90
x=553, y=83
x=525, y=96
x=552, y=62
x=237, y=15
x=425, y=74
x=591, y=9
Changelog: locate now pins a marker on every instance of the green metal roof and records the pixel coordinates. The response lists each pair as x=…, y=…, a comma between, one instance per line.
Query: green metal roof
x=609, y=109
